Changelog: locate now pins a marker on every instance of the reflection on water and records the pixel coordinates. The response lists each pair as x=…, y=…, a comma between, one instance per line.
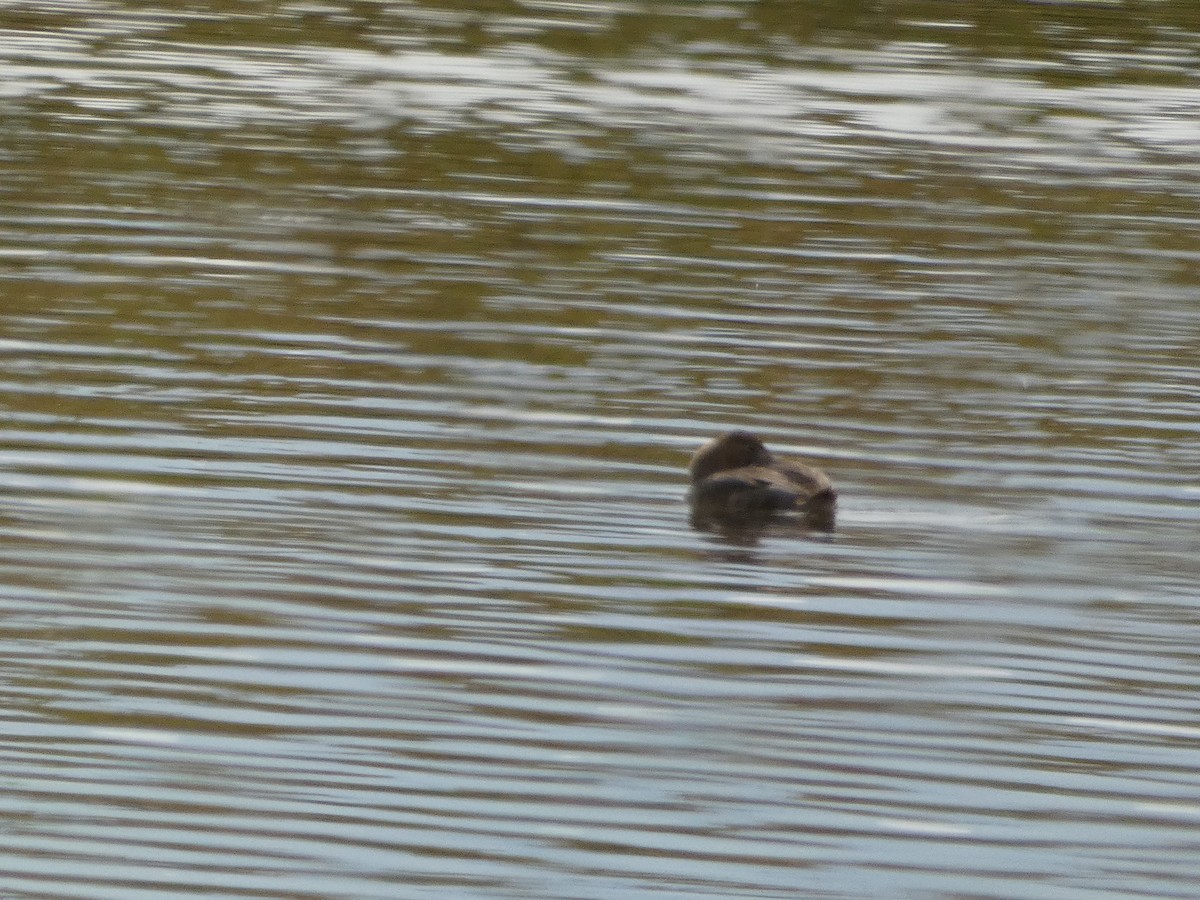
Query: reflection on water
x=353, y=356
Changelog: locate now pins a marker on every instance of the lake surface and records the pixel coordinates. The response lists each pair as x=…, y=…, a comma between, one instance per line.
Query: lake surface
x=353, y=354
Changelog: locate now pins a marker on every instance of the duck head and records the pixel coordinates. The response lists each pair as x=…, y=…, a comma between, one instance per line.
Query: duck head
x=732, y=450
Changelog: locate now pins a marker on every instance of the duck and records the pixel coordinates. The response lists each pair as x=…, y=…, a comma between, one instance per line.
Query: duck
x=737, y=481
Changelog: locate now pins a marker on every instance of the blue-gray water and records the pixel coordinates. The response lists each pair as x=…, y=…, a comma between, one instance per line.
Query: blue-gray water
x=352, y=355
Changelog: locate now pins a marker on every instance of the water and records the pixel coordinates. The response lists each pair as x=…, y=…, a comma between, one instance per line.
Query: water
x=352, y=357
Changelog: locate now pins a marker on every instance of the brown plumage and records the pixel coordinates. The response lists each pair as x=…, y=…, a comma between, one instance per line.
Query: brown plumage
x=736, y=480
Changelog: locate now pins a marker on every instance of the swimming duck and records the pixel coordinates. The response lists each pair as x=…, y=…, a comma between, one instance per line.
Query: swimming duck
x=736, y=480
